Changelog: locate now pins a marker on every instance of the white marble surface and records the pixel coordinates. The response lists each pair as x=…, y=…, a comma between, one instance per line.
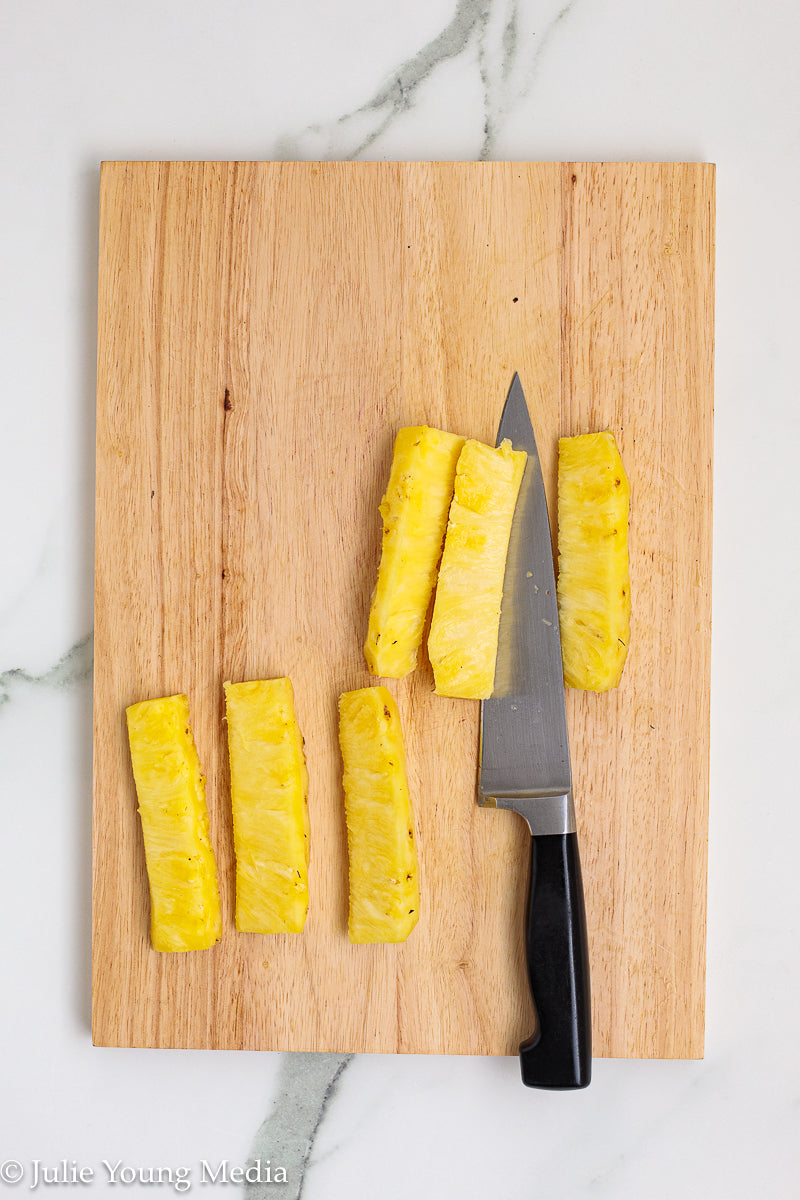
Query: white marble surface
x=83, y=80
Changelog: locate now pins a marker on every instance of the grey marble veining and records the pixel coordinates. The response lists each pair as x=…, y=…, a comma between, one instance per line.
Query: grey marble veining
x=511, y=46
x=306, y=1085
x=74, y=666
x=507, y=37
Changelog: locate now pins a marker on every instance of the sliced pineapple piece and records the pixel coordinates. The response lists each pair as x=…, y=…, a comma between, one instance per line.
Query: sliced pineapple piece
x=414, y=512
x=462, y=643
x=269, y=797
x=594, y=595
x=384, y=887
x=184, y=896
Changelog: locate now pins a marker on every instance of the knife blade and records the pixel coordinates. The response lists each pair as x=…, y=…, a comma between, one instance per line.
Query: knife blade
x=525, y=766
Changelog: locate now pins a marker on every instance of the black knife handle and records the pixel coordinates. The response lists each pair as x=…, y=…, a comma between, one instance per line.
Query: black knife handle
x=559, y=1055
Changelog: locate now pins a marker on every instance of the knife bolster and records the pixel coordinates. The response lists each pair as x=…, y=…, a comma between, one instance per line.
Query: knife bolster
x=545, y=814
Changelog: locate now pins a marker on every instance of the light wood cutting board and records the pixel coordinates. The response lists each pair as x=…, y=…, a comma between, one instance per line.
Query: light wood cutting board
x=264, y=330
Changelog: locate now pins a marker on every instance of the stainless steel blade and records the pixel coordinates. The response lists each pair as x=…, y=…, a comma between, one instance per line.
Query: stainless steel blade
x=524, y=746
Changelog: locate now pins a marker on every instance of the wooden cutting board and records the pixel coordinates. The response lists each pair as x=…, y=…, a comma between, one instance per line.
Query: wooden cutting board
x=264, y=330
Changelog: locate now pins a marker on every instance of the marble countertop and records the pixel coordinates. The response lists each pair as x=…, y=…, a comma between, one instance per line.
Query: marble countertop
x=452, y=79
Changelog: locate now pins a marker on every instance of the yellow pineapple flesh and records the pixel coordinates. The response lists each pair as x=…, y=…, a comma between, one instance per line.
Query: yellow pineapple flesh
x=184, y=897
x=462, y=643
x=594, y=595
x=414, y=511
x=384, y=882
x=269, y=797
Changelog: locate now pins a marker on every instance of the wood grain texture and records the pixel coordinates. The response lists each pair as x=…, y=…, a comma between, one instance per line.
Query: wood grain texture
x=264, y=329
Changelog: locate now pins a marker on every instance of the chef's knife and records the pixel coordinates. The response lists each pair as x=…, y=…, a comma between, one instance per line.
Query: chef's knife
x=525, y=767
